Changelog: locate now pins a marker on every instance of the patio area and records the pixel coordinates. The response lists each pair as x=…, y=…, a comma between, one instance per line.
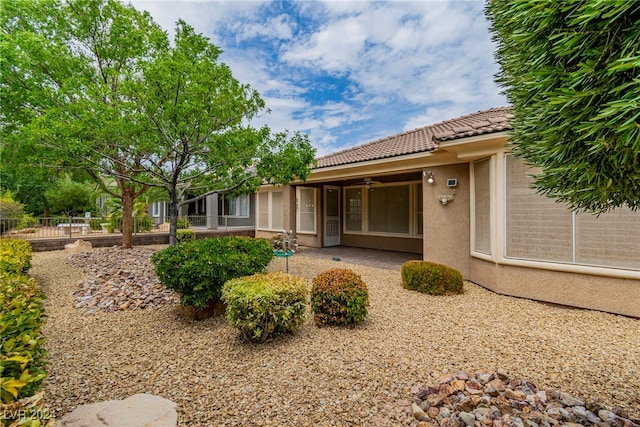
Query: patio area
x=388, y=260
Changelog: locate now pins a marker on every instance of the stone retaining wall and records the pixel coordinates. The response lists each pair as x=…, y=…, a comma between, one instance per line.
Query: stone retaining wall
x=101, y=241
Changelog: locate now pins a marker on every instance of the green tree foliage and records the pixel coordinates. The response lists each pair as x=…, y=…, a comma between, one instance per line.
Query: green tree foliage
x=64, y=67
x=197, y=115
x=570, y=69
x=97, y=85
x=69, y=197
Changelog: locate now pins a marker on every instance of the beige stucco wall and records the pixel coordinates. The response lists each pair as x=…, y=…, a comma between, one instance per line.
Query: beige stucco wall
x=446, y=227
x=610, y=294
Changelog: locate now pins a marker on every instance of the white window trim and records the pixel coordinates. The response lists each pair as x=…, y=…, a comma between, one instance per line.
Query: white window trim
x=315, y=211
x=365, y=211
x=269, y=211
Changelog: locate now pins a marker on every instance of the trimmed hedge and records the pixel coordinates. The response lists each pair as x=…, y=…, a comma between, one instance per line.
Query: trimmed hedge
x=21, y=353
x=15, y=255
x=431, y=278
x=339, y=297
x=198, y=269
x=265, y=304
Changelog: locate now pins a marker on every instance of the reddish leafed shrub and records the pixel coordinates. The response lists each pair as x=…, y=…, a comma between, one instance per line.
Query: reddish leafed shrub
x=339, y=297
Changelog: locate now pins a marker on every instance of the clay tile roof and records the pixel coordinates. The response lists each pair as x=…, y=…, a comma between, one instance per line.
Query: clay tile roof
x=424, y=139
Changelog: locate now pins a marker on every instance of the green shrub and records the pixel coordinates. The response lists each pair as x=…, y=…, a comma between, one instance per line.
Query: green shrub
x=21, y=353
x=196, y=270
x=15, y=255
x=339, y=297
x=431, y=278
x=185, y=235
x=11, y=213
x=183, y=222
x=144, y=224
x=96, y=224
x=265, y=304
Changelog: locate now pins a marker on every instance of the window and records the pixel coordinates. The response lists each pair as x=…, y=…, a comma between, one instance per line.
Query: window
x=306, y=221
x=384, y=209
x=353, y=209
x=538, y=228
x=389, y=209
x=611, y=239
x=270, y=210
x=419, y=209
x=156, y=209
x=482, y=206
x=238, y=206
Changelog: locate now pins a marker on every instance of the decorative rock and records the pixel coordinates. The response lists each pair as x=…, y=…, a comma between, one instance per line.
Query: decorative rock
x=567, y=400
x=418, y=413
x=495, y=399
x=77, y=247
x=139, y=410
x=118, y=279
x=467, y=418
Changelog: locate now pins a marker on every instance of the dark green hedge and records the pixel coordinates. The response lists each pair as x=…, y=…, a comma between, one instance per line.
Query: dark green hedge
x=431, y=278
x=197, y=269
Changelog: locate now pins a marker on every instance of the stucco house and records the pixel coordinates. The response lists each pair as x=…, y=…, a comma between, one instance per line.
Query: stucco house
x=211, y=212
x=452, y=193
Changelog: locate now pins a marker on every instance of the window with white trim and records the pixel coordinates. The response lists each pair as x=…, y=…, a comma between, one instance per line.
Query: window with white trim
x=353, y=209
x=538, y=228
x=482, y=206
x=306, y=211
x=386, y=209
x=270, y=210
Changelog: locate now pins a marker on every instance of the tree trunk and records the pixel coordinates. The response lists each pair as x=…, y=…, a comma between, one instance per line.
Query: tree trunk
x=173, y=218
x=128, y=197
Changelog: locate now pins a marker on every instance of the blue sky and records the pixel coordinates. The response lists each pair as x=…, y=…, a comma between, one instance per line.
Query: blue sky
x=349, y=72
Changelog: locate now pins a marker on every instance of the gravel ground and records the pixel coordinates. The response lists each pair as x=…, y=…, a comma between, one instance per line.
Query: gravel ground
x=329, y=376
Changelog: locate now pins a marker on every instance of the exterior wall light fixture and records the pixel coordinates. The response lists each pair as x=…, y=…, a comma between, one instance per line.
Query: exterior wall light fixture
x=430, y=177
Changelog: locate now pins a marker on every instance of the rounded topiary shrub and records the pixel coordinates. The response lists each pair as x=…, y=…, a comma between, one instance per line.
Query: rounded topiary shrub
x=197, y=269
x=431, y=278
x=339, y=297
x=265, y=304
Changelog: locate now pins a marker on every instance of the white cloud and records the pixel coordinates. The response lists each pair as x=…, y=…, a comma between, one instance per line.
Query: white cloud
x=344, y=71
x=278, y=27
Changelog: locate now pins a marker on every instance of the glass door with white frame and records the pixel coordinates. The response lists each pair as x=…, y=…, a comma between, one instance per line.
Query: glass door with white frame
x=331, y=216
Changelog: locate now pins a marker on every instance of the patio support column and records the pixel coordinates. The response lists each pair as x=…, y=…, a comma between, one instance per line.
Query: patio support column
x=212, y=211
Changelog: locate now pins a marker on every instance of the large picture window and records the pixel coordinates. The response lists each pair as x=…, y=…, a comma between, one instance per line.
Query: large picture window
x=384, y=209
x=306, y=221
x=389, y=209
x=538, y=228
x=270, y=210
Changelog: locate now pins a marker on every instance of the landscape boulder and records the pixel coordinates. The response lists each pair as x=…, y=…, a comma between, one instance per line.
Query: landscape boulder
x=139, y=410
x=77, y=247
